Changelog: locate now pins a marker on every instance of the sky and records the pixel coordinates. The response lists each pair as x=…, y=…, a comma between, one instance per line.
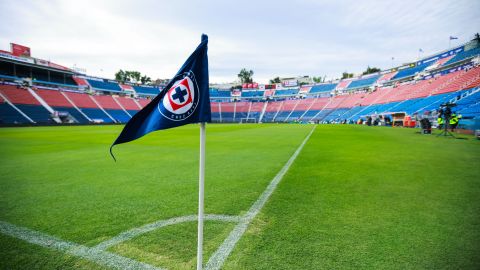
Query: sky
x=272, y=38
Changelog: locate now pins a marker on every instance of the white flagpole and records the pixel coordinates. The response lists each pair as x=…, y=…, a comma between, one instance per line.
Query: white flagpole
x=201, y=180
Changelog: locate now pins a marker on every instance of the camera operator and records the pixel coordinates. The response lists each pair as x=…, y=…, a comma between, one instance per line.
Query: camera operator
x=440, y=119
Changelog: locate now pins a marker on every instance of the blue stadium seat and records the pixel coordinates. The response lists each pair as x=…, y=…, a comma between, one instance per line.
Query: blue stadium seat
x=146, y=90
x=286, y=92
x=96, y=114
x=363, y=82
x=74, y=113
x=410, y=71
x=8, y=115
x=37, y=113
x=105, y=85
x=463, y=55
x=118, y=115
x=322, y=88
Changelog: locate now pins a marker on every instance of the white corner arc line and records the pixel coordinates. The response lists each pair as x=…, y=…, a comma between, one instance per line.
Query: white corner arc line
x=218, y=258
x=98, y=256
x=132, y=233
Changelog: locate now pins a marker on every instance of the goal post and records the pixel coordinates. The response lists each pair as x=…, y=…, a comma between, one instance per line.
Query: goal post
x=248, y=120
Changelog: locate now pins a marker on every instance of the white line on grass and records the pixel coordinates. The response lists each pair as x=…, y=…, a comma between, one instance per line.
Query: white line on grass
x=218, y=258
x=101, y=257
x=127, y=235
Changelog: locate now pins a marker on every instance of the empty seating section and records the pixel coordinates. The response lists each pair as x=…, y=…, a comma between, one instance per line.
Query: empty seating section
x=302, y=107
x=286, y=92
x=444, y=60
x=469, y=106
x=24, y=101
x=215, y=110
x=241, y=110
x=343, y=84
x=464, y=55
x=80, y=81
x=87, y=106
x=128, y=104
x=18, y=95
x=53, y=98
x=228, y=111
x=146, y=90
x=8, y=115
x=256, y=110
x=363, y=82
x=287, y=107
x=323, y=88
x=254, y=93
x=272, y=108
x=413, y=96
x=104, y=85
x=411, y=71
x=107, y=102
x=387, y=77
x=143, y=102
x=215, y=93
x=81, y=100
x=112, y=108
x=59, y=103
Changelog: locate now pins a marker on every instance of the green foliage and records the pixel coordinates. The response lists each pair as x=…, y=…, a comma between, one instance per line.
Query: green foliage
x=131, y=76
x=318, y=79
x=371, y=70
x=245, y=76
x=346, y=75
x=275, y=80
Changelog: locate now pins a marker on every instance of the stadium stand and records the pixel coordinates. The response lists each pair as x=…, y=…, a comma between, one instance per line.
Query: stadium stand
x=286, y=92
x=411, y=71
x=9, y=115
x=26, y=102
x=112, y=108
x=322, y=88
x=452, y=75
x=104, y=85
x=364, y=82
x=58, y=102
x=146, y=90
x=88, y=107
x=215, y=93
x=464, y=55
x=252, y=94
x=128, y=104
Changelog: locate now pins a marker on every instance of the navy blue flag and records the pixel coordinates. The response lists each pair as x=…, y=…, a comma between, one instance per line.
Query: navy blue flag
x=184, y=100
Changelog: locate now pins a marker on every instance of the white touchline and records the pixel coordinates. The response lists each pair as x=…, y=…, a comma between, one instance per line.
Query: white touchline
x=127, y=235
x=101, y=257
x=218, y=258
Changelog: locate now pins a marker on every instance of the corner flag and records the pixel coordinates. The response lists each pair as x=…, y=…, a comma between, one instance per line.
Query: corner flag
x=184, y=100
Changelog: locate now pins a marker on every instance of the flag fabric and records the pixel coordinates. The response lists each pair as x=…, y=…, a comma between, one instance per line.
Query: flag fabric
x=452, y=37
x=184, y=100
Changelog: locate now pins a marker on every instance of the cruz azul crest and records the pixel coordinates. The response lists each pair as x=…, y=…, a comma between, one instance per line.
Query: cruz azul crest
x=181, y=100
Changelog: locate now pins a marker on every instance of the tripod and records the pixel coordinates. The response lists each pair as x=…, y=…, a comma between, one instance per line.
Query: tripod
x=445, y=131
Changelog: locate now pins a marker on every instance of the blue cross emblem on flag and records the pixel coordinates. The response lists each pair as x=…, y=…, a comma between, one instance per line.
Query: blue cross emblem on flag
x=184, y=100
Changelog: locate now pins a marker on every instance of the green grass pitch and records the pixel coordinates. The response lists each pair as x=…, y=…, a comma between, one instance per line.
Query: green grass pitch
x=355, y=198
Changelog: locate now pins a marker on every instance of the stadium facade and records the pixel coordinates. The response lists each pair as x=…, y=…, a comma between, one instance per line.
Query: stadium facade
x=38, y=92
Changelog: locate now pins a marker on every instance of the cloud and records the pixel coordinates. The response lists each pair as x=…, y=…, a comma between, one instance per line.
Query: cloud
x=273, y=38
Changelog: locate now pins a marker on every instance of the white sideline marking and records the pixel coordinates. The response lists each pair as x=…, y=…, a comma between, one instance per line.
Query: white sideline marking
x=218, y=258
x=101, y=257
x=127, y=235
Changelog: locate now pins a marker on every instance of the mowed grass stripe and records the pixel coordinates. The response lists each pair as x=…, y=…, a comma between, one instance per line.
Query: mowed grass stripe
x=62, y=182
x=370, y=198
